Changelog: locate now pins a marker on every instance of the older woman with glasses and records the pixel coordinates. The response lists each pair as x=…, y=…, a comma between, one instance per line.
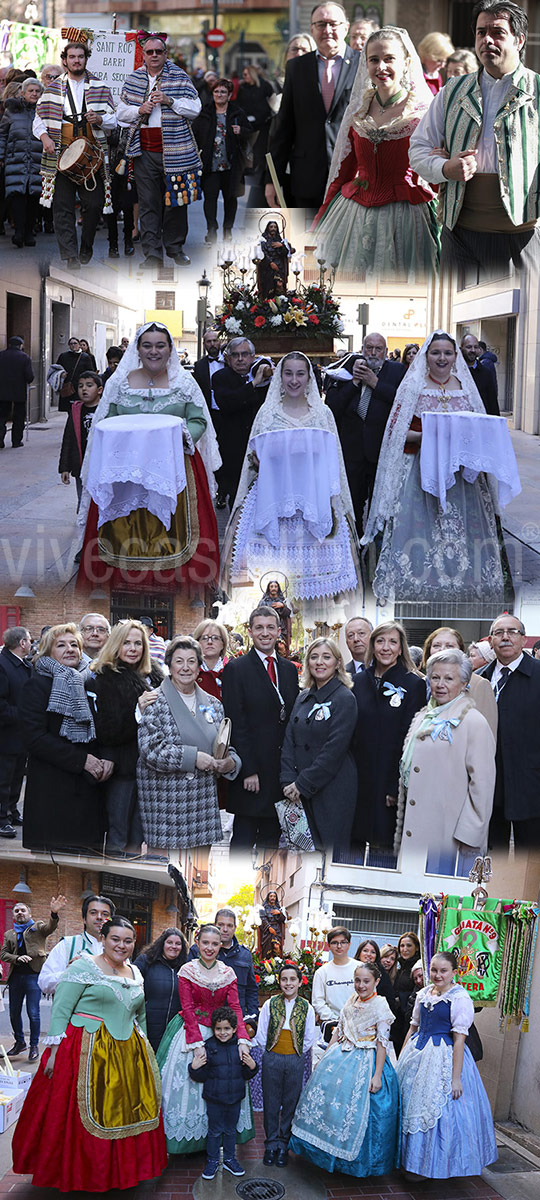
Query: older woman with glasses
x=213, y=640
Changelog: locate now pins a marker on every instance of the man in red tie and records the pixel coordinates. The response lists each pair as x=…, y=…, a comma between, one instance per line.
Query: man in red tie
x=258, y=693
x=315, y=95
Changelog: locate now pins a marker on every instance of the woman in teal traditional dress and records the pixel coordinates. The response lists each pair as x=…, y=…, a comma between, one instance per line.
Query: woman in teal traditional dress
x=205, y=983
x=91, y=1120
x=150, y=380
x=348, y=1116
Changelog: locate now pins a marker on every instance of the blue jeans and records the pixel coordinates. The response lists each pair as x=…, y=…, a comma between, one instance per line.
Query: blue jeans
x=222, y=1122
x=24, y=985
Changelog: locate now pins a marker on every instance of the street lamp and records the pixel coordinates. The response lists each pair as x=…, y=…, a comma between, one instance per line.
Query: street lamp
x=203, y=285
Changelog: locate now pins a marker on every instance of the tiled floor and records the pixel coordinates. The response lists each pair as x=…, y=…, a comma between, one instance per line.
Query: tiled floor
x=181, y=1176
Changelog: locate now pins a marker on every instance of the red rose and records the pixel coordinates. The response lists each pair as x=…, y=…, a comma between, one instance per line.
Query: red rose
x=257, y=979
x=259, y=321
x=253, y=308
x=304, y=979
x=314, y=320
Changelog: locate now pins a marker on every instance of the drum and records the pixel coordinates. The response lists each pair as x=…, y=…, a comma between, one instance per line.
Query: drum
x=81, y=160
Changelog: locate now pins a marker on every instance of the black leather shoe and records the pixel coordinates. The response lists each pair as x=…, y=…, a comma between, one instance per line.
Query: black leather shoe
x=34, y=1054
x=16, y=1049
x=282, y=1159
x=181, y=259
x=129, y=249
x=114, y=252
x=270, y=1157
x=85, y=254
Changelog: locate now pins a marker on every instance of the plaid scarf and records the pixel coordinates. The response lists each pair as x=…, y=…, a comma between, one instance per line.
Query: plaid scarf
x=181, y=162
x=68, y=698
x=50, y=107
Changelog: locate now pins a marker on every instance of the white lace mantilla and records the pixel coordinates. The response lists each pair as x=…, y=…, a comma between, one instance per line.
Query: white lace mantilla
x=430, y=1071
x=138, y=462
x=219, y=976
x=472, y=442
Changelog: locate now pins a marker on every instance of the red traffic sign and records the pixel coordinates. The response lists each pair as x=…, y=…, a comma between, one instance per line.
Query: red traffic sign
x=215, y=38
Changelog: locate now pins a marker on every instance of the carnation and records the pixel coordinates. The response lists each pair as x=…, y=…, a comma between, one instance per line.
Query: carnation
x=233, y=325
x=338, y=325
x=241, y=306
x=276, y=320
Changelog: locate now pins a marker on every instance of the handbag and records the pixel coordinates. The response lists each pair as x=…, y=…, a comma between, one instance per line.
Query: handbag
x=294, y=825
x=67, y=388
x=223, y=739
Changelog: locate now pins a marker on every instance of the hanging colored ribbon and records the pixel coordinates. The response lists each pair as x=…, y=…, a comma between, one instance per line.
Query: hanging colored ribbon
x=324, y=708
x=390, y=690
x=443, y=729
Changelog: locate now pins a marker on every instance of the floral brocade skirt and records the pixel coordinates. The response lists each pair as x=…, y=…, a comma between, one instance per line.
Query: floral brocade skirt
x=96, y=1124
x=184, y=1110
x=389, y=241
x=339, y=1124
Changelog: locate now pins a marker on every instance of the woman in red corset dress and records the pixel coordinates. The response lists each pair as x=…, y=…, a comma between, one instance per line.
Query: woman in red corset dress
x=378, y=216
x=205, y=983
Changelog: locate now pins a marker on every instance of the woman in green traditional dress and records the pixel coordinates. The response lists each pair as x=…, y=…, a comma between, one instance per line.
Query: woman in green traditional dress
x=91, y=1120
x=150, y=381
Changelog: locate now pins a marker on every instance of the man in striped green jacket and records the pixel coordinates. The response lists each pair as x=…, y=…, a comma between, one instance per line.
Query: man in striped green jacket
x=480, y=141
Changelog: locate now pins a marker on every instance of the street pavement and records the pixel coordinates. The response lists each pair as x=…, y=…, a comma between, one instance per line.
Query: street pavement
x=39, y=536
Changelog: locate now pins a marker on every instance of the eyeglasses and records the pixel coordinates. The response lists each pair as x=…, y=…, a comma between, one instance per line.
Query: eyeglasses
x=513, y=633
x=210, y=637
x=337, y=945
x=155, y=51
x=94, y=629
x=333, y=25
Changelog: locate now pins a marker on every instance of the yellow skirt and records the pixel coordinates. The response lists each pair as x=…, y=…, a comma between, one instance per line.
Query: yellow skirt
x=119, y=1087
x=140, y=540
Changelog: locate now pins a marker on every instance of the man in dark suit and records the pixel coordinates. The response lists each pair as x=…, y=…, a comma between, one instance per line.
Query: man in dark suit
x=14, y=672
x=258, y=693
x=485, y=380
x=16, y=373
x=357, y=632
x=515, y=679
x=203, y=371
x=239, y=390
x=361, y=408
x=205, y=367
x=316, y=92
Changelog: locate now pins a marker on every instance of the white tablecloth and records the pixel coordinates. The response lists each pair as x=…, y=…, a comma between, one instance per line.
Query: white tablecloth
x=137, y=462
x=298, y=472
x=472, y=442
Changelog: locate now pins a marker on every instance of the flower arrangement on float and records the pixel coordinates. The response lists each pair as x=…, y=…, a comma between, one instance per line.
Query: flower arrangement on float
x=313, y=310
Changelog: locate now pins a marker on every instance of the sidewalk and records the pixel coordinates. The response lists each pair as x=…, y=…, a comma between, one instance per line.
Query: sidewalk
x=39, y=536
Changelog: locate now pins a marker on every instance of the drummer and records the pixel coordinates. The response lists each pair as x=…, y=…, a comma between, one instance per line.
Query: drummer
x=75, y=105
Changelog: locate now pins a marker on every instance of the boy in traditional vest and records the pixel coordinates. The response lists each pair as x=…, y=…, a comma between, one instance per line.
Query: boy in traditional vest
x=223, y=1073
x=286, y=1032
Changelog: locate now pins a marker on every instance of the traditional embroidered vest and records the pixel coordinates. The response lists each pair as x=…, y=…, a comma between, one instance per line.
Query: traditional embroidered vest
x=181, y=161
x=517, y=138
x=50, y=107
x=297, y=1022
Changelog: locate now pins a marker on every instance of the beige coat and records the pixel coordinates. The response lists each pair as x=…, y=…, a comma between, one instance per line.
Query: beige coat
x=484, y=698
x=450, y=794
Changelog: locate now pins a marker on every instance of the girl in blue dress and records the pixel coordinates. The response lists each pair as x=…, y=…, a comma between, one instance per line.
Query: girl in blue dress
x=447, y=1123
x=348, y=1116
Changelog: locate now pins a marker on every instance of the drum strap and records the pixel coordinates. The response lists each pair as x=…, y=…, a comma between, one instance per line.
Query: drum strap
x=78, y=116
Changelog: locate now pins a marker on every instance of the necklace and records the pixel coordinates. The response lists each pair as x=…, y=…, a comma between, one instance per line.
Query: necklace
x=395, y=99
x=203, y=964
x=444, y=396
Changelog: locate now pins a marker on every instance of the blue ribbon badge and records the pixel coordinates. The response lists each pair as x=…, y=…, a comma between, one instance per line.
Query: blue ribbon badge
x=397, y=694
x=322, y=711
x=208, y=711
x=443, y=729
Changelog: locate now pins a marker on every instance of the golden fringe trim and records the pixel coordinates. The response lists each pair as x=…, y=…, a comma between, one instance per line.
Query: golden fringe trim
x=167, y=561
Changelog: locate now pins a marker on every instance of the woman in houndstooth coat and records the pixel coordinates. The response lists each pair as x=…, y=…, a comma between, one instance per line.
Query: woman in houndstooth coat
x=177, y=772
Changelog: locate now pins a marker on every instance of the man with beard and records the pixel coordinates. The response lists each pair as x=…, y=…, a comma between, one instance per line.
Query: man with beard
x=239, y=390
x=76, y=105
x=484, y=379
x=361, y=407
x=95, y=911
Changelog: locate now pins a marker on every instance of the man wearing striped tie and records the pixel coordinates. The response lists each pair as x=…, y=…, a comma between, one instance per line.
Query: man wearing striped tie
x=515, y=679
